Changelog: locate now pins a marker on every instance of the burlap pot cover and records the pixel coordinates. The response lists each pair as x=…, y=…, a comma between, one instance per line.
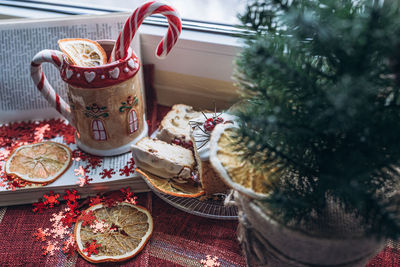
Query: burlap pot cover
x=267, y=243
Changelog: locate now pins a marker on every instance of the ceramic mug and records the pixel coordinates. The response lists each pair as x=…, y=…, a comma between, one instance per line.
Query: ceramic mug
x=105, y=103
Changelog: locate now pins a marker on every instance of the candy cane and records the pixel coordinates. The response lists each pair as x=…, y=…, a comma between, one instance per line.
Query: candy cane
x=135, y=20
x=40, y=80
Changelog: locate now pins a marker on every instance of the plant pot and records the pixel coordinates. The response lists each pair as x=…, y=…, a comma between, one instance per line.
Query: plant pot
x=266, y=242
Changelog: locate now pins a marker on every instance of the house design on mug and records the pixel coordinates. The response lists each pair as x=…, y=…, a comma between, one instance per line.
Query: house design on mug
x=98, y=118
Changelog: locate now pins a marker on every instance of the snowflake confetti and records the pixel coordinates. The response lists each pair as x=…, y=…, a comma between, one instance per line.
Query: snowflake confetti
x=129, y=196
x=59, y=231
x=39, y=207
x=95, y=162
x=107, y=173
x=127, y=170
x=82, y=181
x=79, y=155
x=50, y=200
x=87, y=218
x=80, y=171
x=41, y=234
x=71, y=196
x=49, y=249
x=211, y=261
x=96, y=200
x=131, y=163
x=40, y=131
x=99, y=227
x=91, y=248
x=69, y=246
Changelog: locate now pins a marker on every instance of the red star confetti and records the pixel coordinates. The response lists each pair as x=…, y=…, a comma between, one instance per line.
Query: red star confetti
x=82, y=181
x=51, y=199
x=71, y=196
x=95, y=162
x=91, y=248
x=107, y=173
x=49, y=249
x=127, y=170
x=87, y=218
x=41, y=234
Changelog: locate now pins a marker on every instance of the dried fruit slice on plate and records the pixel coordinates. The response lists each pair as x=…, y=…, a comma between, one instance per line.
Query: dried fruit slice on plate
x=118, y=232
x=239, y=174
x=171, y=186
x=83, y=52
x=40, y=162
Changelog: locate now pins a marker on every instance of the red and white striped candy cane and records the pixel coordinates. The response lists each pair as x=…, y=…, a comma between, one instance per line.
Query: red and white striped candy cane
x=42, y=84
x=125, y=37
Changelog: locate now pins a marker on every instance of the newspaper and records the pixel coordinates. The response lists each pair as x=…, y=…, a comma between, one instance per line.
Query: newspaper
x=21, y=101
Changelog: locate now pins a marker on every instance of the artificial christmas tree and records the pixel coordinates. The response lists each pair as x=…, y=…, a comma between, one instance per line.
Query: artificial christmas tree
x=320, y=112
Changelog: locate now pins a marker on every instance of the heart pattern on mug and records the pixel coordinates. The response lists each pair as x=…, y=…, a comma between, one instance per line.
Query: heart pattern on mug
x=89, y=76
x=69, y=73
x=114, y=73
x=131, y=64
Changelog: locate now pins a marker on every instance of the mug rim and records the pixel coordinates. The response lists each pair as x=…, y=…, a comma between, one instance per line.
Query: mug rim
x=104, y=75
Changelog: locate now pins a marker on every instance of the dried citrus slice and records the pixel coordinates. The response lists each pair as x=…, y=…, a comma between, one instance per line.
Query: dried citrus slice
x=83, y=52
x=123, y=232
x=39, y=163
x=239, y=174
x=172, y=187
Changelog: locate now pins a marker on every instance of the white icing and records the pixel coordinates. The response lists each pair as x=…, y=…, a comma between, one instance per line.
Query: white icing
x=78, y=75
x=126, y=70
x=114, y=73
x=200, y=135
x=69, y=73
x=102, y=77
x=131, y=64
x=89, y=76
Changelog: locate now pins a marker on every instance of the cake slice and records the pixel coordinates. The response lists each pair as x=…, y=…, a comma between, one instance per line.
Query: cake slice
x=175, y=128
x=201, y=129
x=163, y=159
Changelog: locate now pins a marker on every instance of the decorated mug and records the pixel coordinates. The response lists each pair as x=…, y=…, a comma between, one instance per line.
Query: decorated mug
x=105, y=103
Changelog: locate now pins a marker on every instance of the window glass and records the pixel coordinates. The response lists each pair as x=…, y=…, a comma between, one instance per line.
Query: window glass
x=215, y=11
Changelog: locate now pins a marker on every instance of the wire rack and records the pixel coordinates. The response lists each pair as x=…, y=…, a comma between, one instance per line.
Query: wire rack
x=209, y=208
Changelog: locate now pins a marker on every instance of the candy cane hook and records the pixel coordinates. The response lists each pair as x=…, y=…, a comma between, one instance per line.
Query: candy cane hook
x=131, y=26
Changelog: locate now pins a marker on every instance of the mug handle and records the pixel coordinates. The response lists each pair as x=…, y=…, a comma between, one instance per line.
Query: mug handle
x=42, y=84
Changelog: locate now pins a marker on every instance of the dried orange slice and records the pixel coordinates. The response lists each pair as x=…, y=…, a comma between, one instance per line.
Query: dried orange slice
x=124, y=231
x=239, y=174
x=39, y=163
x=172, y=187
x=83, y=52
